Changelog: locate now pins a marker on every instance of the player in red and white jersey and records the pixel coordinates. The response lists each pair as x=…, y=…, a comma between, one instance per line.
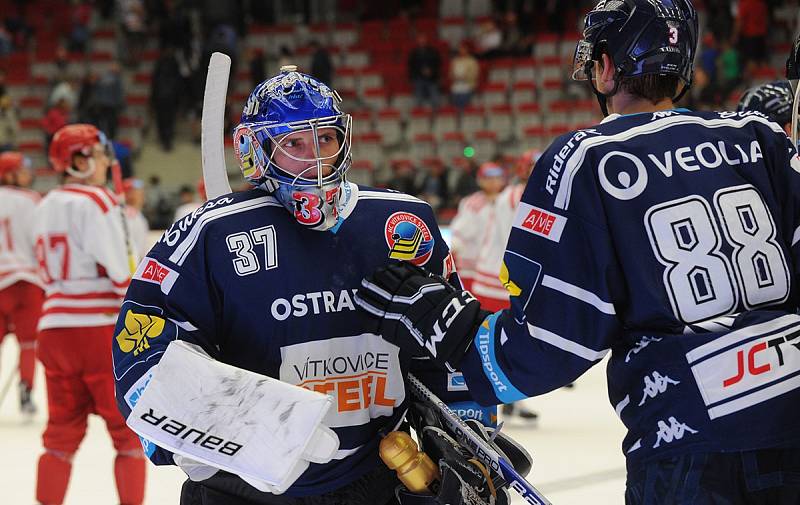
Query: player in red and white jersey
x=473, y=237
x=20, y=287
x=138, y=226
x=475, y=216
x=83, y=260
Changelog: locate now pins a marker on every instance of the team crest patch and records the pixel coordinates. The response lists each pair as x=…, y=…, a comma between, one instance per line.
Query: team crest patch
x=409, y=238
x=139, y=329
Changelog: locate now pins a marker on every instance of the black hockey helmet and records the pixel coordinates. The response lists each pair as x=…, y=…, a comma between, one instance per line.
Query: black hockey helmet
x=642, y=37
x=773, y=99
x=793, y=62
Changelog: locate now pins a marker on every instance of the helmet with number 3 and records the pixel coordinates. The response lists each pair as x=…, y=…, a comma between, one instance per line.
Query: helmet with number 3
x=642, y=37
x=276, y=112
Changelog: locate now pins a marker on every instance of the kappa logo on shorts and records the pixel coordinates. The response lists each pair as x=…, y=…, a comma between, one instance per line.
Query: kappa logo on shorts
x=409, y=238
x=138, y=331
x=152, y=271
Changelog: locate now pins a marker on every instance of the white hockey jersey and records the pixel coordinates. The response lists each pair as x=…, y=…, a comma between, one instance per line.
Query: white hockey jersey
x=487, y=284
x=475, y=214
x=80, y=246
x=139, y=230
x=17, y=259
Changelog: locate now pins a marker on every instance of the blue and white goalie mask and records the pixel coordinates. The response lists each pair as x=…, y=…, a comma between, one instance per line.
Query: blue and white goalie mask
x=294, y=141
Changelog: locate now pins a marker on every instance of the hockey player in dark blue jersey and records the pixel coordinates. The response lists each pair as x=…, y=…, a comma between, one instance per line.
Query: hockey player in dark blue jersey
x=773, y=99
x=260, y=284
x=665, y=237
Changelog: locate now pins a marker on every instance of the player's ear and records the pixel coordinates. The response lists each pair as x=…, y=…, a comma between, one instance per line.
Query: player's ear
x=605, y=74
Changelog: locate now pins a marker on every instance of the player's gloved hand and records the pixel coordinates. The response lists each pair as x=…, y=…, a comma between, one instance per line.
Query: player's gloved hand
x=464, y=480
x=421, y=312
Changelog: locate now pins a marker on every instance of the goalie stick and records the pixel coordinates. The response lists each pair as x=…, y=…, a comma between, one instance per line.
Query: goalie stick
x=212, y=146
x=477, y=446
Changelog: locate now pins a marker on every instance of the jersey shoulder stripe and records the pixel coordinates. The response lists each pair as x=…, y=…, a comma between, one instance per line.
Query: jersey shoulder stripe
x=376, y=194
x=578, y=156
x=213, y=210
x=27, y=193
x=101, y=198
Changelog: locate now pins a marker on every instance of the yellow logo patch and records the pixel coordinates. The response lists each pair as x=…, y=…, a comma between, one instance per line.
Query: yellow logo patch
x=510, y=286
x=139, y=330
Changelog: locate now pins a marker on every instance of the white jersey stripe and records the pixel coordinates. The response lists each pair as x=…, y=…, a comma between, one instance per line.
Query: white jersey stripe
x=565, y=345
x=579, y=294
x=737, y=336
x=400, y=197
x=185, y=247
x=576, y=161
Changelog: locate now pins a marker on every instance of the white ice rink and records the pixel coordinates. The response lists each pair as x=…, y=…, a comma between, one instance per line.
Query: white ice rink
x=577, y=460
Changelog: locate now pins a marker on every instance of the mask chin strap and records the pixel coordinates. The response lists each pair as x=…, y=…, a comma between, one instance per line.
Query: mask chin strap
x=73, y=172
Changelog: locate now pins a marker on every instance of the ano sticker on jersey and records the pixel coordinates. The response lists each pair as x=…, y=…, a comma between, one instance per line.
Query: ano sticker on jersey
x=409, y=238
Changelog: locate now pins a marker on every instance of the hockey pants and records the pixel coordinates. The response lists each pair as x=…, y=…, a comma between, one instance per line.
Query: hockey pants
x=80, y=381
x=20, y=307
x=757, y=477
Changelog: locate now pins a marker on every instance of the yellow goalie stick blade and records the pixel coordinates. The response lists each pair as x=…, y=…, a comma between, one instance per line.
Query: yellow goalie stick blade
x=215, y=174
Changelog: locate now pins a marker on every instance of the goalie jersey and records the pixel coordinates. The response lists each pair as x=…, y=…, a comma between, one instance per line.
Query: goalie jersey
x=243, y=280
x=670, y=240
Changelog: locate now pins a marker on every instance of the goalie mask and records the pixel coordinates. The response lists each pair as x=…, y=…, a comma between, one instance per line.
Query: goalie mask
x=294, y=141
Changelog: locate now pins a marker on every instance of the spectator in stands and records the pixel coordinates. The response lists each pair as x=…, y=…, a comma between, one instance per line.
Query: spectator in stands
x=513, y=43
x=464, y=74
x=321, y=63
x=488, y=40
x=132, y=19
x=165, y=95
x=9, y=125
x=404, y=177
x=189, y=200
x=86, y=106
x=57, y=116
x=750, y=31
x=80, y=16
x=109, y=100
x=258, y=67
x=157, y=207
x=730, y=74
x=424, y=69
x=435, y=187
x=6, y=45
x=63, y=89
x=465, y=179
x=285, y=57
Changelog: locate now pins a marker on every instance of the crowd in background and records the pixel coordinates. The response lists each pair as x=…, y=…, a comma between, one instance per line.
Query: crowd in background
x=734, y=50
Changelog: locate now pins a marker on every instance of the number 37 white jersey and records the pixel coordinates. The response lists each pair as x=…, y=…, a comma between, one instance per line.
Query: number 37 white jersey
x=81, y=255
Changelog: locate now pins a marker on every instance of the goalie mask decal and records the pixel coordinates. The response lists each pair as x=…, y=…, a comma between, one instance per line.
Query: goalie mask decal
x=409, y=238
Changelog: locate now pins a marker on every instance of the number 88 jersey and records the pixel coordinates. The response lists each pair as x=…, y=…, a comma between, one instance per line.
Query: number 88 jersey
x=669, y=239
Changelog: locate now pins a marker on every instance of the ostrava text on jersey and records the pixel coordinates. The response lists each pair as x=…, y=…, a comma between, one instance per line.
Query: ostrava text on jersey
x=240, y=278
x=705, y=357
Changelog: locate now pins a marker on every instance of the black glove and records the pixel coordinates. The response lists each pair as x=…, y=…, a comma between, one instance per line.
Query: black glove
x=421, y=312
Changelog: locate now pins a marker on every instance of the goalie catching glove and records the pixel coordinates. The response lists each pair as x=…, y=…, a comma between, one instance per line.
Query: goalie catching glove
x=421, y=312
